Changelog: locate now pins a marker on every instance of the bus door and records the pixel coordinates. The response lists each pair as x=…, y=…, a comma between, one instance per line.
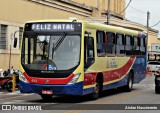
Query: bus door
x=89, y=59
x=88, y=52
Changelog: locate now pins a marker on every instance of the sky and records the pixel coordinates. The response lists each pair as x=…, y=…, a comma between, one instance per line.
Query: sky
x=137, y=12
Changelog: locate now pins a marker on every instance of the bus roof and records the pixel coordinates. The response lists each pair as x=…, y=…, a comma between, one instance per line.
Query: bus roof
x=98, y=26
x=114, y=29
x=54, y=20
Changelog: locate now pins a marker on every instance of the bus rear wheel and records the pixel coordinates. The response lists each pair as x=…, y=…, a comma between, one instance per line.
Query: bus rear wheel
x=96, y=91
x=129, y=85
x=46, y=97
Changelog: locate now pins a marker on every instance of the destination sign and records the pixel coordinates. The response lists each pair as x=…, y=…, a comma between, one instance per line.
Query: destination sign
x=53, y=27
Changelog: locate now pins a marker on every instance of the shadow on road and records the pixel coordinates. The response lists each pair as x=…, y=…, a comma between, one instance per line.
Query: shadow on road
x=79, y=99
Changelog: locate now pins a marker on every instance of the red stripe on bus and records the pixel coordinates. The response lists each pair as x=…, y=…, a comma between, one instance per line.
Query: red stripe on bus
x=35, y=80
x=90, y=78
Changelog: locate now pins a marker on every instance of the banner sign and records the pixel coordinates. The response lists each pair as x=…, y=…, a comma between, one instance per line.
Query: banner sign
x=155, y=47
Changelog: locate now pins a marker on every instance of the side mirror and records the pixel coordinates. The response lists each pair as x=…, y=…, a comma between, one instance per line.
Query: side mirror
x=15, y=39
x=15, y=43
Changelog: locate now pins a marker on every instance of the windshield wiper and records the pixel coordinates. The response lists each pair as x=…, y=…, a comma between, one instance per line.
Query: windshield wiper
x=58, y=43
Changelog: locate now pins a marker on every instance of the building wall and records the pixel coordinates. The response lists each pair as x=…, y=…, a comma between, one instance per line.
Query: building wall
x=116, y=6
x=23, y=10
x=90, y=3
x=152, y=39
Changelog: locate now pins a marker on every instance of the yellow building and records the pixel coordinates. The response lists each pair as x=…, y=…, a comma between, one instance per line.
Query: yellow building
x=14, y=13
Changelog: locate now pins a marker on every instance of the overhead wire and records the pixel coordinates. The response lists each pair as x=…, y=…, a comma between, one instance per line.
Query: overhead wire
x=156, y=24
x=141, y=19
x=138, y=10
x=128, y=5
x=125, y=7
x=135, y=8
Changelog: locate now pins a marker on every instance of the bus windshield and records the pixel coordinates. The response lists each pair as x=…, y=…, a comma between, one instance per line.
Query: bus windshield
x=51, y=52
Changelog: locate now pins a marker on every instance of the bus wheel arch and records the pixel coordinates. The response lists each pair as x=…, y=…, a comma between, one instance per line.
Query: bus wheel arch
x=130, y=80
x=132, y=74
x=98, y=86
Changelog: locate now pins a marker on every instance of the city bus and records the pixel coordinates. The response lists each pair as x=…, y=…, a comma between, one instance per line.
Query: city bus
x=73, y=57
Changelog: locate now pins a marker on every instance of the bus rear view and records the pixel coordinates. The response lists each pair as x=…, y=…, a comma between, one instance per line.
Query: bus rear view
x=50, y=59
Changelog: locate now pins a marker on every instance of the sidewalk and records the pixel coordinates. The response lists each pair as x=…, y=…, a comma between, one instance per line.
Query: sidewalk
x=10, y=93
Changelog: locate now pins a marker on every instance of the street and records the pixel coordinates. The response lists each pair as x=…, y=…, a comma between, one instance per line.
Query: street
x=142, y=93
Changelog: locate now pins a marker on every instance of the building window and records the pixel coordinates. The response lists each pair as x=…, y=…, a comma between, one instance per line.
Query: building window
x=20, y=35
x=3, y=34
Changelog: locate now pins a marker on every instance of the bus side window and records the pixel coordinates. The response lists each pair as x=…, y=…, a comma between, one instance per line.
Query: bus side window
x=89, y=52
x=132, y=42
x=101, y=43
x=120, y=49
x=142, y=46
x=136, y=47
x=128, y=46
x=110, y=44
x=139, y=41
x=144, y=41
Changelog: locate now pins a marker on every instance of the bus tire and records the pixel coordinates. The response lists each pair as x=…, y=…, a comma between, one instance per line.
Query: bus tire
x=96, y=91
x=46, y=97
x=129, y=85
x=157, y=90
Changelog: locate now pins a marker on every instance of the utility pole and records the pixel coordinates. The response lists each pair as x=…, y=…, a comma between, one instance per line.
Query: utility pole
x=108, y=13
x=11, y=39
x=147, y=48
x=148, y=17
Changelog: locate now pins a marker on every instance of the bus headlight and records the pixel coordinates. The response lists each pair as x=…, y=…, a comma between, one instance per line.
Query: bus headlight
x=21, y=77
x=74, y=79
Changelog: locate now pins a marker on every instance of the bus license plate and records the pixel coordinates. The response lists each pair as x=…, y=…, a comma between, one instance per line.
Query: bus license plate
x=48, y=92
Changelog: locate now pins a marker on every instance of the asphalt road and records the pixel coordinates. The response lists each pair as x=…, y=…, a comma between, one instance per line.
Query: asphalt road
x=142, y=93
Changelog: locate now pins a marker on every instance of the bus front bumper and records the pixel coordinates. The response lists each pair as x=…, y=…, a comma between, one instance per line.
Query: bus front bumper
x=75, y=89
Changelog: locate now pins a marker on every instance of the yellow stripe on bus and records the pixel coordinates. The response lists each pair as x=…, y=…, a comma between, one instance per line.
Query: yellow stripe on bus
x=88, y=86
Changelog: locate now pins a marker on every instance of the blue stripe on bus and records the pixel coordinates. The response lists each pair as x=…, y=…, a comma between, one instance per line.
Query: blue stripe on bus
x=75, y=89
x=139, y=68
x=120, y=83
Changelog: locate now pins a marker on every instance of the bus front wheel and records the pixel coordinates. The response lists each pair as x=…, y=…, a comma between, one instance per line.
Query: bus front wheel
x=96, y=91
